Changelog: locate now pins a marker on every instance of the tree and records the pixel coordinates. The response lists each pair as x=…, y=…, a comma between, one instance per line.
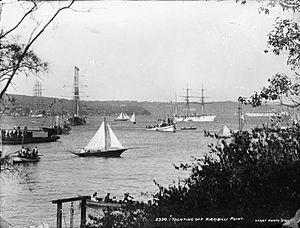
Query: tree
x=18, y=58
x=283, y=39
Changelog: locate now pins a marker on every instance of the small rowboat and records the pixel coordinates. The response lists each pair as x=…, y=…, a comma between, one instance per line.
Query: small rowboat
x=18, y=159
x=102, y=204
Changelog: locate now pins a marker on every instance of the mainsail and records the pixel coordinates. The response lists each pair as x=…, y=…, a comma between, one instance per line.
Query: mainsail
x=123, y=116
x=104, y=139
x=224, y=132
x=126, y=116
x=98, y=141
x=132, y=119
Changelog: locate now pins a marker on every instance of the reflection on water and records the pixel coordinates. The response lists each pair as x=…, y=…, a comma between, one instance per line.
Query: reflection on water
x=61, y=174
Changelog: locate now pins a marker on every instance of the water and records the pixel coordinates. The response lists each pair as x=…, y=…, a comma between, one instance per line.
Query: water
x=61, y=174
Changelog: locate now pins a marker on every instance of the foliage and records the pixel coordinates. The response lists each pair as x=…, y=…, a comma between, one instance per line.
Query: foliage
x=280, y=88
x=256, y=175
x=133, y=215
x=11, y=52
x=16, y=57
x=285, y=38
x=250, y=176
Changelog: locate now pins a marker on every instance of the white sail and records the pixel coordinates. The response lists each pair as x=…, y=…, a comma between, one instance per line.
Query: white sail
x=98, y=141
x=132, y=119
x=224, y=132
x=114, y=142
x=126, y=116
x=123, y=116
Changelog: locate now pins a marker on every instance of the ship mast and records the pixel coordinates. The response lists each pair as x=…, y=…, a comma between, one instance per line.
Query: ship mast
x=76, y=90
x=187, y=99
x=202, y=100
x=176, y=107
x=38, y=94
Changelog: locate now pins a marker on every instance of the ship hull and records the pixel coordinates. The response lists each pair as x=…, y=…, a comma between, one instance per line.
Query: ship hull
x=75, y=120
x=19, y=140
x=99, y=153
x=25, y=160
x=102, y=204
x=204, y=118
x=169, y=128
x=57, y=131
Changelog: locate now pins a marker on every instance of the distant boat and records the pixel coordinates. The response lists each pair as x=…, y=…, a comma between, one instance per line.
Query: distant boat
x=20, y=159
x=188, y=128
x=224, y=132
x=165, y=125
x=76, y=119
x=37, y=115
x=59, y=128
x=38, y=102
x=260, y=114
x=122, y=117
x=132, y=118
x=25, y=156
x=103, y=144
x=193, y=117
x=14, y=136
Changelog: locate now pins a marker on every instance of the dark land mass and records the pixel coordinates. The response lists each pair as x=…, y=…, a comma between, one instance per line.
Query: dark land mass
x=22, y=105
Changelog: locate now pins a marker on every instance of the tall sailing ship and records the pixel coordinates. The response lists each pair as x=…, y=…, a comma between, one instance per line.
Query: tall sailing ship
x=38, y=102
x=189, y=116
x=76, y=119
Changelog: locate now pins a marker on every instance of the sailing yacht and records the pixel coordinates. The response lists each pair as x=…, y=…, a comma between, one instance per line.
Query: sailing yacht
x=103, y=144
x=224, y=132
x=122, y=117
x=132, y=118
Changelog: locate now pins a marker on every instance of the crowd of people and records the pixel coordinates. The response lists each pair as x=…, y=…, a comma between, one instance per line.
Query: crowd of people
x=107, y=199
x=15, y=132
x=27, y=153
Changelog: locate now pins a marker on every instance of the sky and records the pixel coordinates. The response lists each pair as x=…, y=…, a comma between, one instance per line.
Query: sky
x=150, y=51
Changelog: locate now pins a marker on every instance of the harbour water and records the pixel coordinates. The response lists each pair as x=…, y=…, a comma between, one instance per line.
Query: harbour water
x=60, y=174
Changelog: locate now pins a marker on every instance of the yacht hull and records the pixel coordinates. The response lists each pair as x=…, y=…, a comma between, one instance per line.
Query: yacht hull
x=99, y=153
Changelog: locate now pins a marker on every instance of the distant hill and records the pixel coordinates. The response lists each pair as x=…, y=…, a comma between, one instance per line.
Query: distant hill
x=27, y=103
x=24, y=104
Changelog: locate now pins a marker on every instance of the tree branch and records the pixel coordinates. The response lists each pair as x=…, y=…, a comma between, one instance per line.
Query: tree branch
x=26, y=49
x=21, y=20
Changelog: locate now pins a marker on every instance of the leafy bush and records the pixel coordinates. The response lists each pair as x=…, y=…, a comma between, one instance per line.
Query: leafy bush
x=253, y=175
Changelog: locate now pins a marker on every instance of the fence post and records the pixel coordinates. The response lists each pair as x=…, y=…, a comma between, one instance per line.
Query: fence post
x=83, y=214
x=59, y=215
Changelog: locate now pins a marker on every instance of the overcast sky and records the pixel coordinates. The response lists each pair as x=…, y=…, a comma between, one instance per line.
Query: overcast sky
x=152, y=50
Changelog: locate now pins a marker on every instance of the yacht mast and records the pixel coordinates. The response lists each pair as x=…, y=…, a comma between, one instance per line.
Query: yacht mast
x=106, y=139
